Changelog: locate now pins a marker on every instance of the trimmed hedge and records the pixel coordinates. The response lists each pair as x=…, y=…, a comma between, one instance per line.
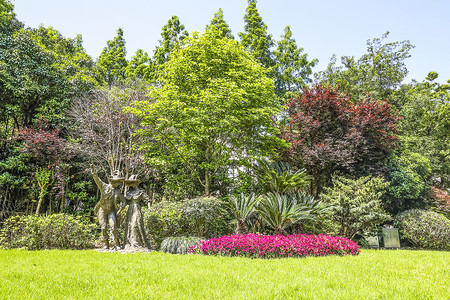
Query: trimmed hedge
x=425, y=229
x=58, y=231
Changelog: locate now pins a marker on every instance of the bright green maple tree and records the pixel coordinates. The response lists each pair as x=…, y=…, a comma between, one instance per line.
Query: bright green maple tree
x=214, y=108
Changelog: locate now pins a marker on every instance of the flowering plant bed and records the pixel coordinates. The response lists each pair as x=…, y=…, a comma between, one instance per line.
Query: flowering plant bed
x=276, y=246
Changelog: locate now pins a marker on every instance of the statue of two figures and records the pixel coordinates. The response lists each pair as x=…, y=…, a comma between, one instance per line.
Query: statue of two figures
x=107, y=210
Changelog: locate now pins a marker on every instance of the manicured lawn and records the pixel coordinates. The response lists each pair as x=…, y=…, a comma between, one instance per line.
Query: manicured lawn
x=373, y=274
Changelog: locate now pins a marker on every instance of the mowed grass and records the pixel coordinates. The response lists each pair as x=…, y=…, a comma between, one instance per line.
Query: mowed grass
x=374, y=274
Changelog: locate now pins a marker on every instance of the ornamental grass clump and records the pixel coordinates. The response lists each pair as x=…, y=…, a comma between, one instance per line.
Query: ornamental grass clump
x=276, y=246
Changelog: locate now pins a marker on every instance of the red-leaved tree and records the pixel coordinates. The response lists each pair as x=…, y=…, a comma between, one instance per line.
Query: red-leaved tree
x=48, y=150
x=329, y=133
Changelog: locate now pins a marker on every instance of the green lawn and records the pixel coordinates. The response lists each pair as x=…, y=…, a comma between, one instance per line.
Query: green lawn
x=373, y=274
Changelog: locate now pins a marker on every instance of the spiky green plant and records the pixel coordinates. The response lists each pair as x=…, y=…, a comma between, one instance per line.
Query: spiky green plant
x=242, y=207
x=278, y=177
x=279, y=211
x=178, y=244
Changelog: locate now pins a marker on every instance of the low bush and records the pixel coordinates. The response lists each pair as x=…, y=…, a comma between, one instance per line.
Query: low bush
x=424, y=229
x=206, y=217
x=178, y=244
x=164, y=219
x=58, y=231
x=203, y=217
x=276, y=246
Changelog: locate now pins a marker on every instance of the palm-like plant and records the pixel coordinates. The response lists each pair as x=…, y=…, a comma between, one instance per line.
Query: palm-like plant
x=243, y=208
x=278, y=177
x=279, y=211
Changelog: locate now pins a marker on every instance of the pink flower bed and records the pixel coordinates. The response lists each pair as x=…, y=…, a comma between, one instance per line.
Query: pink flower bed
x=276, y=246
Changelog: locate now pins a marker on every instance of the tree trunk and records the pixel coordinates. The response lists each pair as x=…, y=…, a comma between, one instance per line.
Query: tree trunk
x=241, y=227
x=207, y=182
x=278, y=231
x=39, y=204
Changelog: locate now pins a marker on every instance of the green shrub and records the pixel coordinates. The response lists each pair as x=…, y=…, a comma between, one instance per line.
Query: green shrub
x=179, y=244
x=203, y=216
x=206, y=217
x=424, y=229
x=356, y=204
x=60, y=231
x=164, y=219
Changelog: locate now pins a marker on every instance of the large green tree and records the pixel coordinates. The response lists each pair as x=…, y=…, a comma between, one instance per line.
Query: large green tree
x=425, y=127
x=214, y=108
x=293, y=70
x=379, y=72
x=112, y=62
x=222, y=26
x=255, y=37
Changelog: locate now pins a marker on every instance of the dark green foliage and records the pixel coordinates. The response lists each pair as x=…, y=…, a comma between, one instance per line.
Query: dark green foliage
x=164, y=219
x=242, y=207
x=407, y=188
x=425, y=229
x=280, y=211
x=278, y=177
x=59, y=231
x=179, y=244
x=425, y=127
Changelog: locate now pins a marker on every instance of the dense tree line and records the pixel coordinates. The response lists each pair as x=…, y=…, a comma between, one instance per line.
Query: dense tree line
x=194, y=117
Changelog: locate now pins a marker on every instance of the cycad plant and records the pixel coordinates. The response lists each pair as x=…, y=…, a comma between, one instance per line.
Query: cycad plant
x=242, y=207
x=279, y=211
x=278, y=177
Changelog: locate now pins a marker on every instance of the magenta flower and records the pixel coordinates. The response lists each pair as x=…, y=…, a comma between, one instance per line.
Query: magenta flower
x=274, y=246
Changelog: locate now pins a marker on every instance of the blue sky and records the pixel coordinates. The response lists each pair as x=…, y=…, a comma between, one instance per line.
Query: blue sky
x=321, y=27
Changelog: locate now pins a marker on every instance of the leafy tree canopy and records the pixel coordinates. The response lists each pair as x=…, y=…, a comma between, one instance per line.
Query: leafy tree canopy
x=255, y=37
x=112, y=62
x=214, y=107
x=173, y=33
x=219, y=22
x=293, y=70
x=379, y=72
x=425, y=127
x=329, y=133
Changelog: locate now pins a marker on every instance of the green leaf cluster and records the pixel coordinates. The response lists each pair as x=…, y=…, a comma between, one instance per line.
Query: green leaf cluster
x=356, y=204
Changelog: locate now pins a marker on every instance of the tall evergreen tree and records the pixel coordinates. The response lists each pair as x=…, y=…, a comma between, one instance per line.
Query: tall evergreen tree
x=255, y=37
x=293, y=70
x=219, y=22
x=112, y=62
x=140, y=66
x=172, y=35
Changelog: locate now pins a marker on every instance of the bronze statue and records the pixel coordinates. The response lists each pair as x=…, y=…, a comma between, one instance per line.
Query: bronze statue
x=106, y=208
x=135, y=236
